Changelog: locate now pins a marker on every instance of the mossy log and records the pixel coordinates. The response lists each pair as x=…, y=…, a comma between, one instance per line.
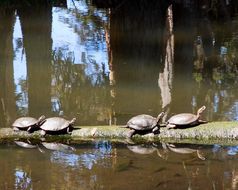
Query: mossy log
x=210, y=133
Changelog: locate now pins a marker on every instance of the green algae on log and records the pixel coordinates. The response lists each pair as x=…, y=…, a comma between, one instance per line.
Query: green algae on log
x=212, y=132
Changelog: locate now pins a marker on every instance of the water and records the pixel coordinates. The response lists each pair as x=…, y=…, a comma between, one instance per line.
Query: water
x=104, y=62
x=103, y=66
x=105, y=165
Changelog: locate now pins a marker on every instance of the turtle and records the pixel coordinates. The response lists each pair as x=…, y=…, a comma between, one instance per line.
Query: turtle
x=143, y=123
x=186, y=119
x=28, y=123
x=55, y=125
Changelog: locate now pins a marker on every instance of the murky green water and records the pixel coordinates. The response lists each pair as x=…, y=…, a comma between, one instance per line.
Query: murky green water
x=104, y=62
x=102, y=165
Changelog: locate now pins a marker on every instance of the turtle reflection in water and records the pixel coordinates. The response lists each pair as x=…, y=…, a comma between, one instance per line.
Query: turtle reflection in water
x=143, y=124
x=186, y=119
x=57, y=125
x=25, y=144
x=28, y=145
x=28, y=123
x=58, y=146
x=142, y=149
x=184, y=150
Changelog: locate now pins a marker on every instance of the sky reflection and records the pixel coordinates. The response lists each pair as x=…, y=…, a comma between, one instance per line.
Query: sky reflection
x=22, y=180
x=86, y=159
x=72, y=35
x=19, y=65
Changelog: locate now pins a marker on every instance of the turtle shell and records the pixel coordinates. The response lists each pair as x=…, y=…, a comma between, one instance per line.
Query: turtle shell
x=183, y=119
x=142, y=122
x=24, y=122
x=55, y=124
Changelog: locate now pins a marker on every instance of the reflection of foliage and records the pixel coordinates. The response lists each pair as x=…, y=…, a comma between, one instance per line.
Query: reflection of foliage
x=22, y=97
x=216, y=75
x=82, y=88
x=220, y=77
x=88, y=23
x=197, y=77
x=76, y=92
x=220, y=73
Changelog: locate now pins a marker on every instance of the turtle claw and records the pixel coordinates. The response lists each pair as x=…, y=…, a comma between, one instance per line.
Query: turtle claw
x=16, y=129
x=202, y=121
x=130, y=133
x=156, y=130
x=42, y=133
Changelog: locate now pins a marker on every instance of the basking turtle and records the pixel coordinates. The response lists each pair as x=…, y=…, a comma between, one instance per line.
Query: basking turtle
x=28, y=123
x=186, y=119
x=56, y=125
x=143, y=123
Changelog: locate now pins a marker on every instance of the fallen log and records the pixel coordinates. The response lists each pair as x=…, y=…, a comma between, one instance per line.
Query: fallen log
x=209, y=133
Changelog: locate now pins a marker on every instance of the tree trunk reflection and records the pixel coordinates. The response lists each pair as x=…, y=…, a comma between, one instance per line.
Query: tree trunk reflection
x=7, y=92
x=37, y=43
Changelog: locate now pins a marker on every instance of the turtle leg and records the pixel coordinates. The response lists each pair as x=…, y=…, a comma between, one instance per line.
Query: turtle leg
x=202, y=121
x=131, y=133
x=155, y=129
x=42, y=133
x=16, y=129
x=68, y=131
x=200, y=155
x=163, y=153
x=170, y=125
x=29, y=129
x=40, y=149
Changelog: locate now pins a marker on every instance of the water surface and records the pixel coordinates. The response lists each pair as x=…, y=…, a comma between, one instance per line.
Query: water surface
x=105, y=165
x=105, y=63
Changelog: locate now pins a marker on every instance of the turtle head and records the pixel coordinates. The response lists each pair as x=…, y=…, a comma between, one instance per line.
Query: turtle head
x=200, y=110
x=72, y=121
x=159, y=117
